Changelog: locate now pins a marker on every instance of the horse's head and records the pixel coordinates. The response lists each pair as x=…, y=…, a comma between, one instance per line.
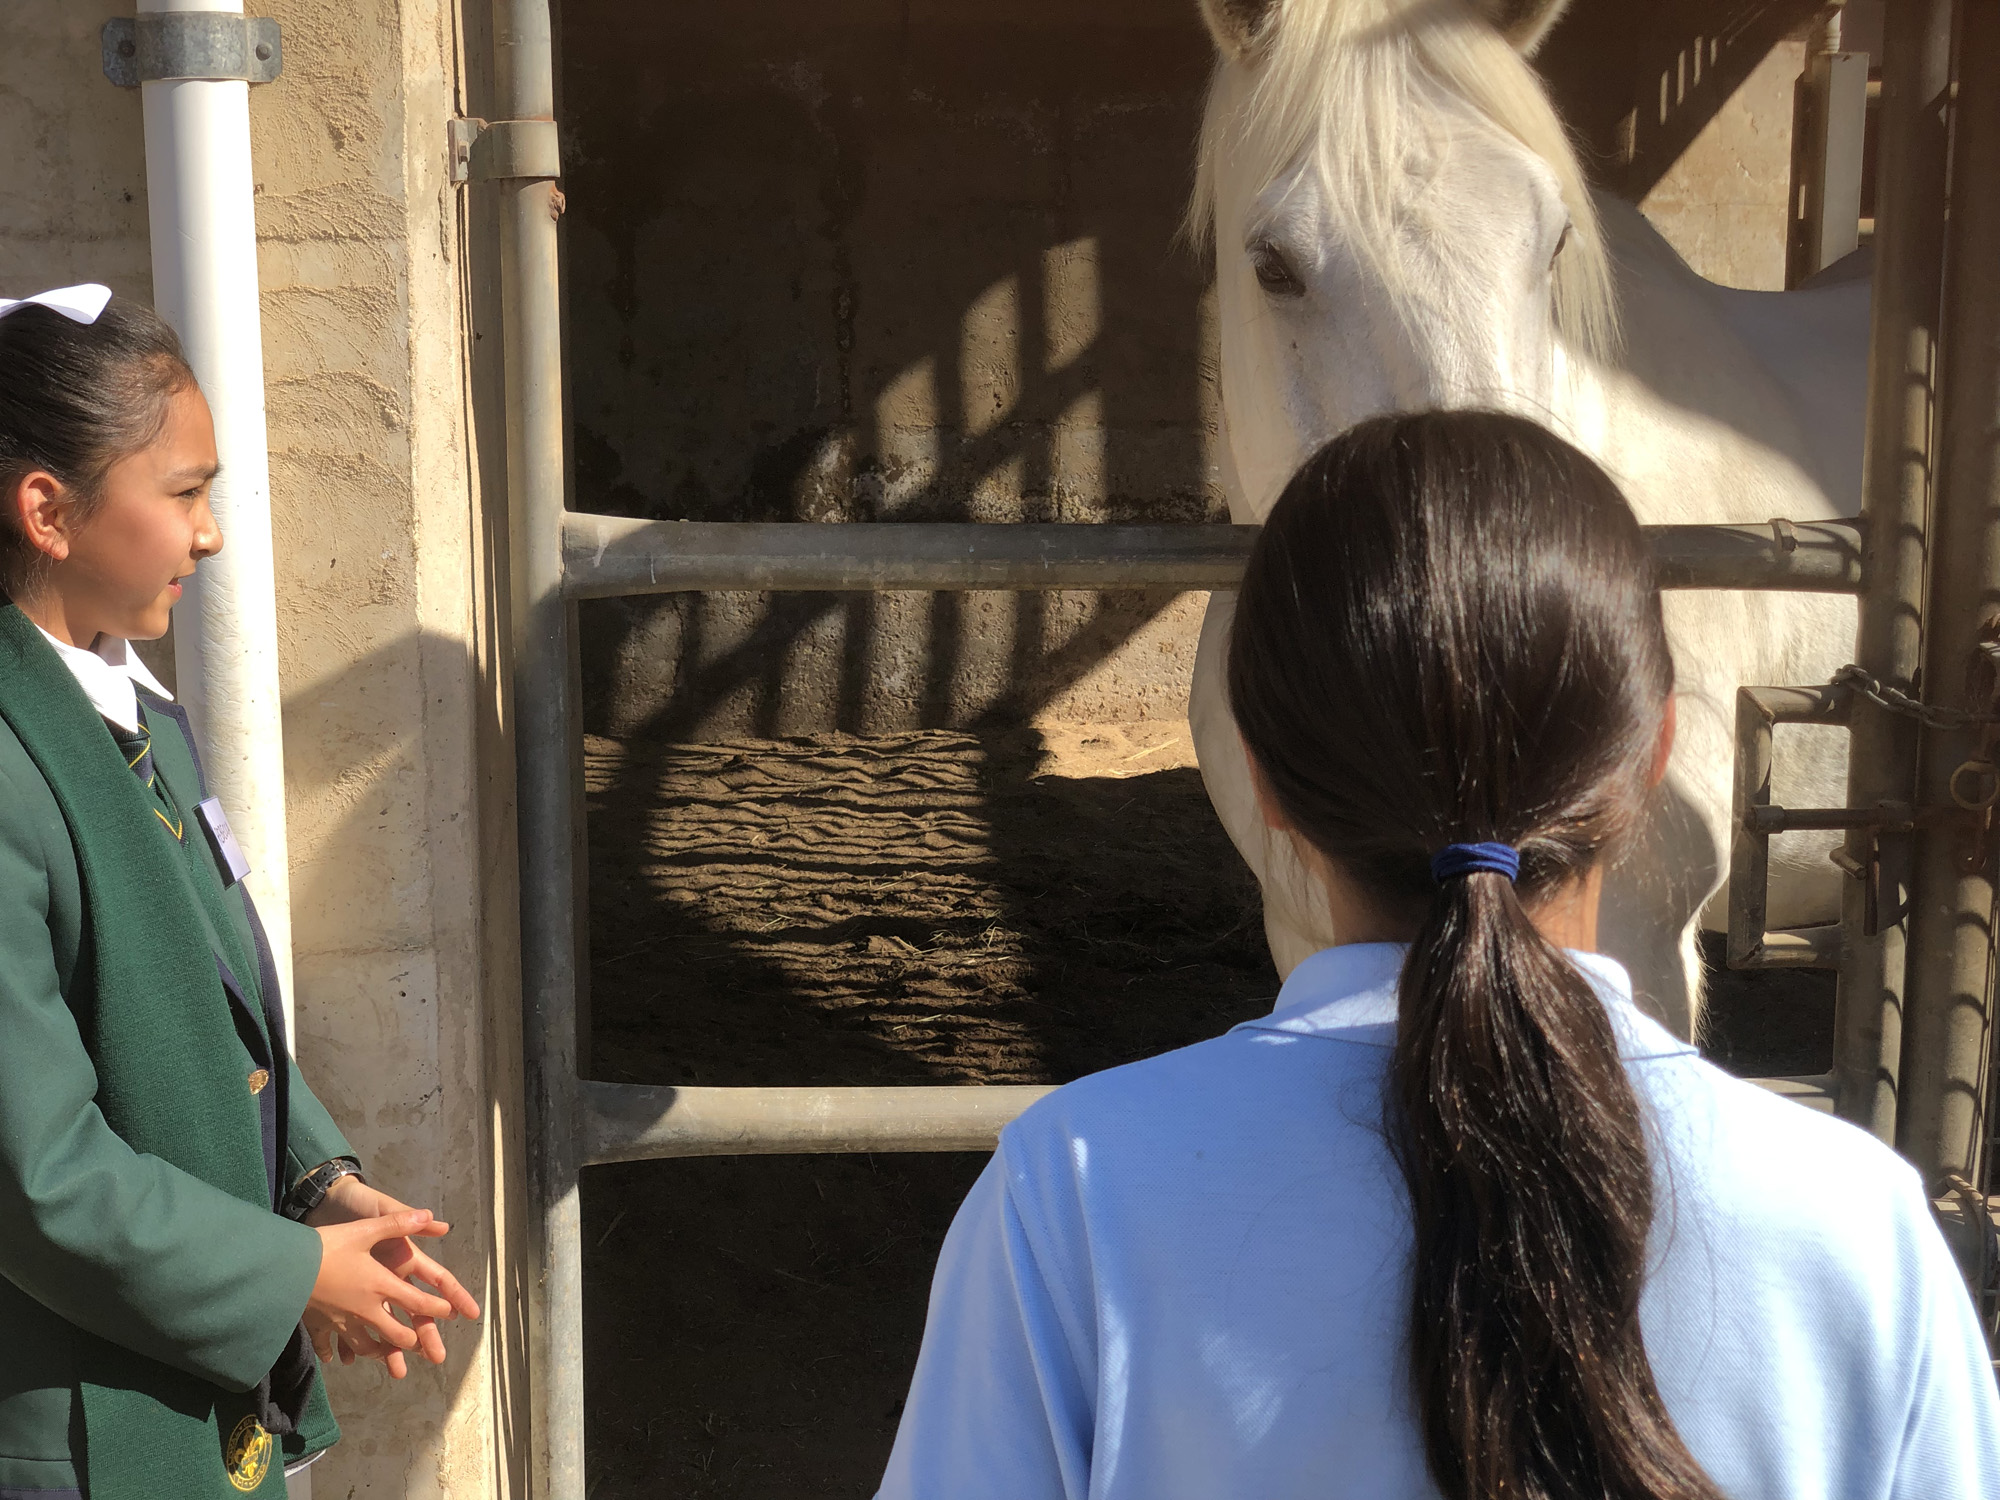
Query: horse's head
x=1398, y=220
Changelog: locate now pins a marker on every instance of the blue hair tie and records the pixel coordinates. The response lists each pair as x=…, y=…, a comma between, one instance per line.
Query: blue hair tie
x=1454, y=860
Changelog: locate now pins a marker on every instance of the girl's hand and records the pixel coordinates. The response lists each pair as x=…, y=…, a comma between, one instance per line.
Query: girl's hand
x=350, y=1199
x=355, y=1295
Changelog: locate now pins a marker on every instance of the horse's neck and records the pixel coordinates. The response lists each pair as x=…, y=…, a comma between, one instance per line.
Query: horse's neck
x=1723, y=406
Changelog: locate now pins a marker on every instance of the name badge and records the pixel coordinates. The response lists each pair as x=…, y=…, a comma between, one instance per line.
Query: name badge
x=228, y=853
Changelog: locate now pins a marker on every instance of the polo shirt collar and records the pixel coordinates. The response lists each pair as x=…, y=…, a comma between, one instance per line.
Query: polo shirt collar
x=107, y=673
x=1348, y=994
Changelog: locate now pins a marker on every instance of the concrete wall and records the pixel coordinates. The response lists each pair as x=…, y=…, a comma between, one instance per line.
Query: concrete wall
x=1725, y=202
x=875, y=261
x=385, y=660
x=73, y=171
x=1638, y=84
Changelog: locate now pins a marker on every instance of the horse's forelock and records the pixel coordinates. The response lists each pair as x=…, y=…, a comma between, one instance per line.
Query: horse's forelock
x=1339, y=84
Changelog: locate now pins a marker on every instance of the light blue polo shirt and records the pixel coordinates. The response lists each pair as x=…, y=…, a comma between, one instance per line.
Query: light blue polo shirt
x=1185, y=1280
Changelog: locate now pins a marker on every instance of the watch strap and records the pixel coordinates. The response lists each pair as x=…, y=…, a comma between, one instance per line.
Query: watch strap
x=310, y=1191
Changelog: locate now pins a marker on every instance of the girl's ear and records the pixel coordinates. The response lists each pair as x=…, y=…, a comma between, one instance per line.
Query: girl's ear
x=1663, y=748
x=40, y=506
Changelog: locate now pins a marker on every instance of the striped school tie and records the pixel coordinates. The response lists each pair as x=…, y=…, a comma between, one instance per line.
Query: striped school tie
x=137, y=747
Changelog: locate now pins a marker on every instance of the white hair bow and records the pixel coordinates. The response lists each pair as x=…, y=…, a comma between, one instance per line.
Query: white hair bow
x=80, y=304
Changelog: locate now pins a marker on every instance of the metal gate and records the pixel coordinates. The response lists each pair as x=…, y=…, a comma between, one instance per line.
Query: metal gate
x=1914, y=946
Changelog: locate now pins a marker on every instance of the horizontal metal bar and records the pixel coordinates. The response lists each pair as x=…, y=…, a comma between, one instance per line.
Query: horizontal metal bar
x=1820, y=703
x=1818, y=557
x=648, y=1122
x=1793, y=948
x=604, y=556
x=1774, y=819
x=1816, y=1092
x=638, y=1122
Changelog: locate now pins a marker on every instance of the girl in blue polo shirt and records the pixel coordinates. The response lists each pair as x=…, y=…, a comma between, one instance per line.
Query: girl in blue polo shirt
x=1456, y=1219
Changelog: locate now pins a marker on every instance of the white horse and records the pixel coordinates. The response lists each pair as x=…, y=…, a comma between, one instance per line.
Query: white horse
x=1399, y=222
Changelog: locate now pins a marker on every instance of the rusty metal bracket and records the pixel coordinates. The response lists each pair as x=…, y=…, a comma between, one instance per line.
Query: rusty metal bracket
x=503, y=150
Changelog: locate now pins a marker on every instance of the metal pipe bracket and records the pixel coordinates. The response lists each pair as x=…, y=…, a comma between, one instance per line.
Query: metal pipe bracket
x=503, y=150
x=215, y=46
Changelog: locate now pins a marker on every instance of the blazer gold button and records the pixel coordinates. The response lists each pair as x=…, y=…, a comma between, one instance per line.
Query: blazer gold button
x=258, y=1079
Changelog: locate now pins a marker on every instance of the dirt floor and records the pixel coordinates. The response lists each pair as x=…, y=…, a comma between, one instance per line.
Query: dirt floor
x=1010, y=907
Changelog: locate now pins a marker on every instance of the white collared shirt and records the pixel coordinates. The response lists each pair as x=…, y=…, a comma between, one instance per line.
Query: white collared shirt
x=106, y=673
x=1187, y=1279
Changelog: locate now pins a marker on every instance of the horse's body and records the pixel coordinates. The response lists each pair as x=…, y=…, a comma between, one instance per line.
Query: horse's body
x=1452, y=257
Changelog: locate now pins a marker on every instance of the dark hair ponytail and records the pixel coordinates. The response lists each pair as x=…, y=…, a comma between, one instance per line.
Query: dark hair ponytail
x=1449, y=632
x=74, y=399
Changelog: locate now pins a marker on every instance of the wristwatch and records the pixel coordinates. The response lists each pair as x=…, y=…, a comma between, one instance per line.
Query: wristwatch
x=309, y=1192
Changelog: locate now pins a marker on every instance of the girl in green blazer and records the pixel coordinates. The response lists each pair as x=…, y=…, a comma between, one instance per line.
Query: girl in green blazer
x=184, y=1232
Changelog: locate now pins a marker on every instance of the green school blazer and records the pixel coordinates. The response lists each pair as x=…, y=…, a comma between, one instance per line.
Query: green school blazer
x=148, y=1287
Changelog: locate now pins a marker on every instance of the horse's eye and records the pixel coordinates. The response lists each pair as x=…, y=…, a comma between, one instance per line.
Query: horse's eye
x=1561, y=245
x=1274, y=272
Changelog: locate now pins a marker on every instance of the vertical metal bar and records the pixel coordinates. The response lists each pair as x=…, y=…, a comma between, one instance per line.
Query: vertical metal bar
x=528, y=207
x=1749, y=852
x=1947, y=1023
x=1902, y=367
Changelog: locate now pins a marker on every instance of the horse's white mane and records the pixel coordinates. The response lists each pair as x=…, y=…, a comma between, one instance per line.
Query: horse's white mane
x=1339, y=83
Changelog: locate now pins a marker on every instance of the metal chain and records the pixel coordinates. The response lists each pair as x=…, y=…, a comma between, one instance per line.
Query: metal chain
x=1900, y=702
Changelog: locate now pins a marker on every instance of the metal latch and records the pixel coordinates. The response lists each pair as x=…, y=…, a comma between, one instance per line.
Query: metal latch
x=502, y=150
x=1879, y=859
x=1751, y=944
x=215, y=45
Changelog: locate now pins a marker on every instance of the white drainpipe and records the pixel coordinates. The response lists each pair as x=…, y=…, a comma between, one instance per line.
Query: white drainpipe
x=200, y=197
x=199, y=192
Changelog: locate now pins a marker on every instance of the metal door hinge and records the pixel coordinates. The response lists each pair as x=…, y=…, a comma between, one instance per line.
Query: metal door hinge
x=212, y=45
x=502, y=150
